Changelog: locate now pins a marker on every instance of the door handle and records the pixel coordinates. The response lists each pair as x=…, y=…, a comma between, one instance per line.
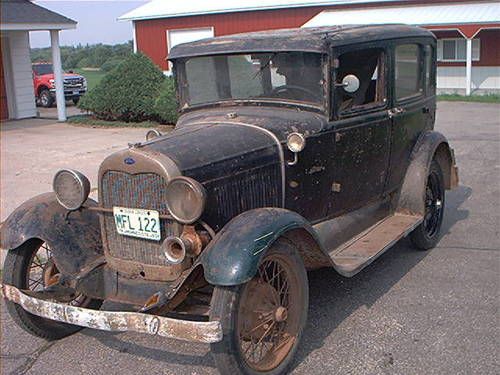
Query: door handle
x=395, y=111
x=426, y=110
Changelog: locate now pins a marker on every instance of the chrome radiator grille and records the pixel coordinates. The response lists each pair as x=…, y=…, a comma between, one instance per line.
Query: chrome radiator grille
x=147, y=191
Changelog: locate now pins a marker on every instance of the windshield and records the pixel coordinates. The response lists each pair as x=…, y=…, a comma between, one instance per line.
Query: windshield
x=293, y=76
x=42, y=69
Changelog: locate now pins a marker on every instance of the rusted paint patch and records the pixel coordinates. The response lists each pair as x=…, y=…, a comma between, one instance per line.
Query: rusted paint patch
x=117, y=321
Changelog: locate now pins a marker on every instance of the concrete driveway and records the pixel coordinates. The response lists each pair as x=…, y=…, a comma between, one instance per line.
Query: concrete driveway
x=408, y=313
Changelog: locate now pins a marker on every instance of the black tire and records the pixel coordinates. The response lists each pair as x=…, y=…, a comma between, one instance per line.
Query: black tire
x=75, y=100
x=226, y=306
x=15, y=271
x=427, y=234
x=46, y=100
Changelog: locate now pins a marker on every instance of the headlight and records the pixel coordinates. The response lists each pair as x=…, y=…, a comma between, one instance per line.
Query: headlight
x=295, y=142
x=71, y=187
x=185, y=199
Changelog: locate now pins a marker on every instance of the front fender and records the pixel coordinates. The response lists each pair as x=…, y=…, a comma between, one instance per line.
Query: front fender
x=233, y=256
x=74, y=237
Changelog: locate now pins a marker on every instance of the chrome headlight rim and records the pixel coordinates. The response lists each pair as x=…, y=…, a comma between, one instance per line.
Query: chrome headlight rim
x=83, y=184
x=200, y=192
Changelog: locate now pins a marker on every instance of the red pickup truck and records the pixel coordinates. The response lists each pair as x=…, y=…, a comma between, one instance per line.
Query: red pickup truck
x=75, y=85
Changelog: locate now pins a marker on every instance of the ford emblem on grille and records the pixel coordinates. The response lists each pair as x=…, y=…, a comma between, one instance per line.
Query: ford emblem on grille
x=129, y=161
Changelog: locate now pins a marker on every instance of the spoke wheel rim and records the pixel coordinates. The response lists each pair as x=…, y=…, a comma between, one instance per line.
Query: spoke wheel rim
x=433, y=205
x=269, y=316
x=41, y=271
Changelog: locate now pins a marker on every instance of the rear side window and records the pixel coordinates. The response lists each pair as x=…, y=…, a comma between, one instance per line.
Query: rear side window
x=408, y=62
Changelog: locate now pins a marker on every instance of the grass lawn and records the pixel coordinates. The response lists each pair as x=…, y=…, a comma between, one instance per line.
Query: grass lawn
x=488, y=98
x=93, y=76
x=91, y=121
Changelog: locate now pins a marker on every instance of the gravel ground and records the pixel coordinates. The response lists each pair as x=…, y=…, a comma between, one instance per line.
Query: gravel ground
x=408, y=313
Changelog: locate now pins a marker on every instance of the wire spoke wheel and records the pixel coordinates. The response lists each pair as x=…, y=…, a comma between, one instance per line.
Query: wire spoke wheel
x=433, y=205
x=268, y=321
x=32, y=267
x=42, y=272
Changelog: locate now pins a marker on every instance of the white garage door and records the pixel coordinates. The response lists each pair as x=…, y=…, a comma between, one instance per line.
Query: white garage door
x=175, y=37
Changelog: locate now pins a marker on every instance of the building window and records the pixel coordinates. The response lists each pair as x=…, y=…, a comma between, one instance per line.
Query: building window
x=456, y=49
x=408, y=63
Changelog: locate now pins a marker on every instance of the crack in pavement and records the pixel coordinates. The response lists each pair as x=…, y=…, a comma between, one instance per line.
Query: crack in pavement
x=32, y=358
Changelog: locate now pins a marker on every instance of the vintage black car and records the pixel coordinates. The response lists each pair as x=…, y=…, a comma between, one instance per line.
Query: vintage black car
x=295, y=150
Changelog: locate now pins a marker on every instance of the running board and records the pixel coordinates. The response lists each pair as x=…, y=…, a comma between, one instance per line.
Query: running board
x=354, y=255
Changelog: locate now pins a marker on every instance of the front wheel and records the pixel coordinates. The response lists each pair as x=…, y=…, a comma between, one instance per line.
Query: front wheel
x=426, y=235
x=46, y=100
x=31, y=267
x=262, y=320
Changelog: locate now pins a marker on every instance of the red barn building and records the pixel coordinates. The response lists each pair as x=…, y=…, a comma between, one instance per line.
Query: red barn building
x=468, y=31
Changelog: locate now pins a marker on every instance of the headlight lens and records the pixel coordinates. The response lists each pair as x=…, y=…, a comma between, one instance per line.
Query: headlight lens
x=185, y=199
x=72, y=188
x=296, y=142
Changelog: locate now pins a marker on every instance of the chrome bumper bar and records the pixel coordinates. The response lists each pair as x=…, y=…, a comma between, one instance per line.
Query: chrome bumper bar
x=117, y=321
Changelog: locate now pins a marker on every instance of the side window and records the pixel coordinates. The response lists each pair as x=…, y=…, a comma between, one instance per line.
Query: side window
x=369, y=66
x=408, y=62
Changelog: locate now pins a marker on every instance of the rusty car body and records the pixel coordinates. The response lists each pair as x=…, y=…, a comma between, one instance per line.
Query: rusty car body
x=295, y=149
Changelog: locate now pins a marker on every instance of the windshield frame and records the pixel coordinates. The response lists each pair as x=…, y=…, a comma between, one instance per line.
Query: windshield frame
x=179, y=74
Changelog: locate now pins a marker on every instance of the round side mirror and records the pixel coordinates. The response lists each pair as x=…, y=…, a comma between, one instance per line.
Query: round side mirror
x=350, y=83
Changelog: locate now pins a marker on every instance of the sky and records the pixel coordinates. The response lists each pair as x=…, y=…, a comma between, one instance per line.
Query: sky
x=97, y=22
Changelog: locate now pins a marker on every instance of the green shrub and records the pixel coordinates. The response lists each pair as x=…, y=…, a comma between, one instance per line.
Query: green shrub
x=166, y=103
x=111, y=63
x=126, y=93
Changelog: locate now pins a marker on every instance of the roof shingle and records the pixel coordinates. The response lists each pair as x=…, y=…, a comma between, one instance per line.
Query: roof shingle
x=25, y=12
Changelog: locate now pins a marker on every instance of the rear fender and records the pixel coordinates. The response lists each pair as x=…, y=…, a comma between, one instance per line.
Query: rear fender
x=431, y=146
x=74, y=237
x=233, y=256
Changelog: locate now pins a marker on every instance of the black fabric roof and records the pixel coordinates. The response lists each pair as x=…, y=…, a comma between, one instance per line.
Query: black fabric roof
x=308, y=39
x=24, y=11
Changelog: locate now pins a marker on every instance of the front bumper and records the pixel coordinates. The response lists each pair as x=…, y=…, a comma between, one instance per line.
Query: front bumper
x=117, y=321
x=70, y=93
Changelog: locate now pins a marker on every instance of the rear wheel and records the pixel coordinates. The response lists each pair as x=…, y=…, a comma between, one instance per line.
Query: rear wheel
x=46, y=100
x=262, y=320
x=31, y=267
x=426, y=235
x=76, y=100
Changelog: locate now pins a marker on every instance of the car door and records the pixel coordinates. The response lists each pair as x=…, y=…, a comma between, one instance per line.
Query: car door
x=411, y=107
x=361, y=128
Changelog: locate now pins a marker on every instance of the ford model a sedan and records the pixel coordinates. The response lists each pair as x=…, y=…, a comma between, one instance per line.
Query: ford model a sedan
x=295, y=150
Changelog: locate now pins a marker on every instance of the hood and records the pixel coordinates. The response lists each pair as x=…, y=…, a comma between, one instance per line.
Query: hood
x=238, y=154
x=213, y=150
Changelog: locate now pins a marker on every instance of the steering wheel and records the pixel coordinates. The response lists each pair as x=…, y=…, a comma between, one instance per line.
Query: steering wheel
x=282, y=88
